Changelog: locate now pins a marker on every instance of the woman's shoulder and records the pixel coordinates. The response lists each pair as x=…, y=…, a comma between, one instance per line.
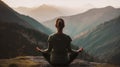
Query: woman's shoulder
x=52, y=34
x=55, y=35
x=61, y=35
x=68, y=37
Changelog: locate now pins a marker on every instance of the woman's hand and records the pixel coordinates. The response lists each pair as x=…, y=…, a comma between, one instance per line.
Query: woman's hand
x=80, y=50
x=38, y=49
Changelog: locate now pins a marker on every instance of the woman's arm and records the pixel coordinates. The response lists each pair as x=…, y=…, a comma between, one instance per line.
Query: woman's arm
x=38, y=49
x=69, y=46
x=71, y=50
x=49, y=48
x=46, y=50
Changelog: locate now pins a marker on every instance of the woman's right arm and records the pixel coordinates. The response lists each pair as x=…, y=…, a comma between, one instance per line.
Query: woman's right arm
x=46, y=50
x=49, y=48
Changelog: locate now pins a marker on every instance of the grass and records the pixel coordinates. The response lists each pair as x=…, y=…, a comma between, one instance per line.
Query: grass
x=106, y=65
x=17, y=62
x=30, y=61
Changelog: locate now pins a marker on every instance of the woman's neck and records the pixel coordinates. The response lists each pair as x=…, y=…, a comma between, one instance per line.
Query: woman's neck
x=60, y=31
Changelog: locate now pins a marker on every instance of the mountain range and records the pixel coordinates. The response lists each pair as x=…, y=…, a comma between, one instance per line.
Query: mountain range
x=35, y=24
x=103, y=42
x=47, y=12
x=42, y=13
x=96, y=30
x=8, y=14
x=19, y=34
x=83, y=22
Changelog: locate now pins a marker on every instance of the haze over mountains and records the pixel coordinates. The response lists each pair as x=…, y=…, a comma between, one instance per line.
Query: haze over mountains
x=44, y=12
x=97, y=30
x=47, y=12
x=9, y=15
x=83, y=22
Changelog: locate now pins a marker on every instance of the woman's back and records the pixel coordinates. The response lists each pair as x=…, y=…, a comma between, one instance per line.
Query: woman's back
x=60, y=44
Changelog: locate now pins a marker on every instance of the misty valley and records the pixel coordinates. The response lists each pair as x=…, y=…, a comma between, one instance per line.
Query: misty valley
x=96, y=30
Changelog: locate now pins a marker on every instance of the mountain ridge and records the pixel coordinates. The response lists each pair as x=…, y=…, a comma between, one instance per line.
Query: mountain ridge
x=82, y=22
x=18, y=37
x=41, y=13
x=103, y=41
x=6, y=10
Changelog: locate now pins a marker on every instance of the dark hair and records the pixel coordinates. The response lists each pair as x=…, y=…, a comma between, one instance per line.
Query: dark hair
x=60, y=23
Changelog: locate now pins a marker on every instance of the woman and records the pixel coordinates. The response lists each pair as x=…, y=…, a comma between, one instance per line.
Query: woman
x=59, y=50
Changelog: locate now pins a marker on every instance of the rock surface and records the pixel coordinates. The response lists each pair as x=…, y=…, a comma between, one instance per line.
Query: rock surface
x=38, y=61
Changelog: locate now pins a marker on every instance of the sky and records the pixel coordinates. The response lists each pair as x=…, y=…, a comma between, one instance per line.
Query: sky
x=64, y=3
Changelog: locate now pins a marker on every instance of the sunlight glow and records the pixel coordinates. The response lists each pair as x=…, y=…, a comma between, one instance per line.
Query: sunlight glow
x=65, y=3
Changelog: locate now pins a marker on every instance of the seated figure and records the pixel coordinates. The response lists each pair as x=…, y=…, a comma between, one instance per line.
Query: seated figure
x=59, y=50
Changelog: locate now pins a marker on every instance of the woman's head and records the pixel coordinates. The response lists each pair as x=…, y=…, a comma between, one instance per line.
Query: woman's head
x=60, y=23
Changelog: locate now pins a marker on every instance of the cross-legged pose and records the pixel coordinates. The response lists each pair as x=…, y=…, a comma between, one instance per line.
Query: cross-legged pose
x=59, y=50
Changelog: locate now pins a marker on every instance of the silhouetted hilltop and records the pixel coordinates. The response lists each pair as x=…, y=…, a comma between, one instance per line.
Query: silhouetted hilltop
x=19, y=34
x=37, y=25
x=16, y=40
x=9, y=15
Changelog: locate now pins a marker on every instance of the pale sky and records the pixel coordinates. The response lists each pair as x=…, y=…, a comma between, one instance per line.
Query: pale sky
x=65, y=3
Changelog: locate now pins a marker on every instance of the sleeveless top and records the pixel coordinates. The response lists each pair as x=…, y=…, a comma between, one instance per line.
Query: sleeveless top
x=60, y=46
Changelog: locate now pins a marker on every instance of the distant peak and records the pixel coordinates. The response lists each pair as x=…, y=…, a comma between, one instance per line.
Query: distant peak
x=44, y=5
x=110, y=7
